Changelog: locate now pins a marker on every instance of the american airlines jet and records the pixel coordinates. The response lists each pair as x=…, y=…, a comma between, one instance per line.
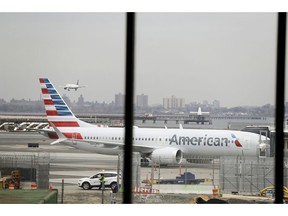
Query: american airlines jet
x=164, y=146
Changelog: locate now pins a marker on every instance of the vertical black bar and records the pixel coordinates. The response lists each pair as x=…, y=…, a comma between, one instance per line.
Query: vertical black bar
x=62, y=194
x=129, y=112
x=280, y=105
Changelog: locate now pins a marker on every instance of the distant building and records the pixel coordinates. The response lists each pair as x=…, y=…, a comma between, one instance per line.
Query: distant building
x=205, y=103
x=119, y=100
x=216, y=104
x=173, y=103
x=142, y=101
x=80, y=101
x=181, y=102
x=67, y=100
x=2, y=101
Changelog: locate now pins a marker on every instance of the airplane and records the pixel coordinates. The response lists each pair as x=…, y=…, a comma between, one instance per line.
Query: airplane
x=73, y=86
x=199, y=112
x=161, y=145
x=200, y=117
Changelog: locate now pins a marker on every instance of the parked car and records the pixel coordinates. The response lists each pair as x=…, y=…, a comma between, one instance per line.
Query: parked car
x=94, y=181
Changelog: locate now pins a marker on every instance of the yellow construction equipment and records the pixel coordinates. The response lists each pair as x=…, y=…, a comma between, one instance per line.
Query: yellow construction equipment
x=12, y=181
x=270, y=192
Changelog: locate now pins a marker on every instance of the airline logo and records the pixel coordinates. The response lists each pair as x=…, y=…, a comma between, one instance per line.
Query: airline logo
x=236, y=141
x=56, y=109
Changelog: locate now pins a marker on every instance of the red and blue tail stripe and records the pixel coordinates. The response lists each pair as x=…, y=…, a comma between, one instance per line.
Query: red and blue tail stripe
x=56, y=109
x=58, y=113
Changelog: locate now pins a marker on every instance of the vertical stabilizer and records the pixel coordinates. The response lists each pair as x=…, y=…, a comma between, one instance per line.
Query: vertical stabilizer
x=56, y=109
x=199, y=111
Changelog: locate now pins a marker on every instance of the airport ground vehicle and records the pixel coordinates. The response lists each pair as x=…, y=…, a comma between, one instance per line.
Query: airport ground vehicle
x=94, y=181
x=185, y=178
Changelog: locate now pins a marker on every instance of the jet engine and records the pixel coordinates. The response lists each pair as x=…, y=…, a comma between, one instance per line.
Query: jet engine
x=145, y=162
x=167, y=156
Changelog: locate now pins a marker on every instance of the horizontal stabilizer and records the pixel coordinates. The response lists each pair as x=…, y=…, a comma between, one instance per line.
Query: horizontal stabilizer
x=59, y=134
x=58, y=141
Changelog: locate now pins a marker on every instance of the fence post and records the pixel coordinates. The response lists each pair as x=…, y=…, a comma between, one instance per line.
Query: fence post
x=62, y=189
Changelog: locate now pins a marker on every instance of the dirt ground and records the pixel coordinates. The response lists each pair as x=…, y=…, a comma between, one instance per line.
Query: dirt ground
x=94, y=196
x=74, y=195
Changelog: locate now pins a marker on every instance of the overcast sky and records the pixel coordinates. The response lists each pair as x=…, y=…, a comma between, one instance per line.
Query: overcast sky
x=230, y=57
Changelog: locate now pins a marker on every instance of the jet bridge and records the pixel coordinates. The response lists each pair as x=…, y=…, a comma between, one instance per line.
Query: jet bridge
x=265, y=144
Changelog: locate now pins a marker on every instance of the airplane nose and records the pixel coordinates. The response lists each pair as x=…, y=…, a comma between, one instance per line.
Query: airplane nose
x=264, y=139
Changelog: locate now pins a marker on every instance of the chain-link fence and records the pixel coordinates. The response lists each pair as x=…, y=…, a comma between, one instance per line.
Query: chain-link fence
x=193, y=176
x=32, y=167
x=247, y=175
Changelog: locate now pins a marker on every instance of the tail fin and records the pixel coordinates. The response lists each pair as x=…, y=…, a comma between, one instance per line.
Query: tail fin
x=56, y=109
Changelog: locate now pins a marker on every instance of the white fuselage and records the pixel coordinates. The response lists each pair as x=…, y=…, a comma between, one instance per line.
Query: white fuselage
x=71, y=86
x=192, y=142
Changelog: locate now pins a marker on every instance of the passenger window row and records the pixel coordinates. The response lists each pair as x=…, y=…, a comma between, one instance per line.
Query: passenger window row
x=121, y=138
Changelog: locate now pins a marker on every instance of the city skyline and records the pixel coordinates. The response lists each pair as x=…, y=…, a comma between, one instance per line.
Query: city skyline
x=119, y=99
x=82, y=106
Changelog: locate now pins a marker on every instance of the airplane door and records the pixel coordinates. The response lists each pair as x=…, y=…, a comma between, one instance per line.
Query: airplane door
x=247, y=144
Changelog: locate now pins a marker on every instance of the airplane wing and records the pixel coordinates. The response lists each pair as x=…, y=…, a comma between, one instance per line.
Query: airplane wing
x=120, y=145
x=106, y=144
x=205, y=113
x=43, y=131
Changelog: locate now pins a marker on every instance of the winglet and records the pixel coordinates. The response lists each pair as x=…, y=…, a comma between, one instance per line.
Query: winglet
x=59, y=134
x=180, y=126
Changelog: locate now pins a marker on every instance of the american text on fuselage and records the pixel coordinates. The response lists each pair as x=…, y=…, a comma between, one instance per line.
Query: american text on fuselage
x=209, y=141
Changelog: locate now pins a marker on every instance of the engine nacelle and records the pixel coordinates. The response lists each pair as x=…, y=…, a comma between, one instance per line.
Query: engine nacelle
x=145, y=162
x=167, y=156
